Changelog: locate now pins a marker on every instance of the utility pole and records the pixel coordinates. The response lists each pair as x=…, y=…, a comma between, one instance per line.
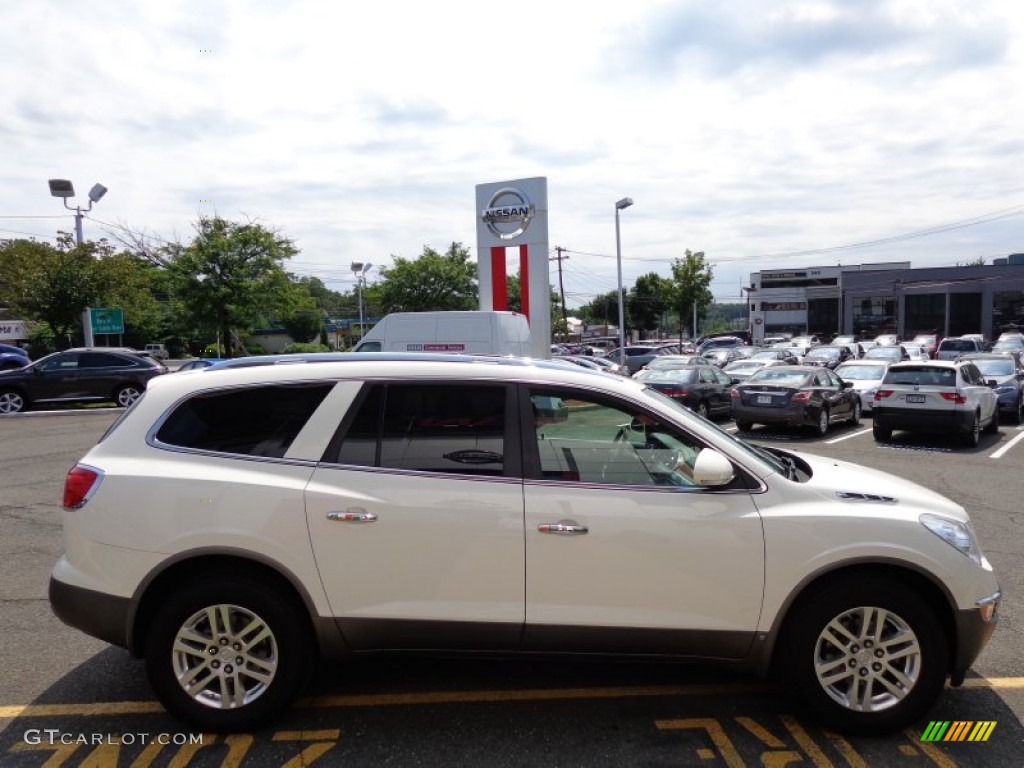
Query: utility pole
x=561, y=288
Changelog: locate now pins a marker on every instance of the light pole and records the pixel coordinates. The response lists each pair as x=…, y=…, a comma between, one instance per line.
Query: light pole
x=621, y=204
x=360, y=270
x=64, y=189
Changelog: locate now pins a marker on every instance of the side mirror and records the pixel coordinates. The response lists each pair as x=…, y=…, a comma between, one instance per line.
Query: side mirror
x=992, y=383
x=847, y=384
x=712, y=469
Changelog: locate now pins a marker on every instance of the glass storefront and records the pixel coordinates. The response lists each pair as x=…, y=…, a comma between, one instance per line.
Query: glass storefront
x=924, y=313
x=1007, y=312
x=872, y=317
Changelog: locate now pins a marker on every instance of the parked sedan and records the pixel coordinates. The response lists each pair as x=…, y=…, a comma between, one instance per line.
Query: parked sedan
x=1007, y=372
x=701, y=388
x=827, y=356
x=865, y=375
x=891, y=353
x=741, y=370
x=783, y=354
x=78, y=375
x=676, y=361
x=795, y=395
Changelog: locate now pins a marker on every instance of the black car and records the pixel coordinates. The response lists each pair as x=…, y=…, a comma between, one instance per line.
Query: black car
x=827, y=356
x=78, y=375
x=795, y=395
x=701, y=388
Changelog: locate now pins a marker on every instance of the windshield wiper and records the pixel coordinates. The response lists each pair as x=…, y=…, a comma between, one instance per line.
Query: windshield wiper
x=788, y=463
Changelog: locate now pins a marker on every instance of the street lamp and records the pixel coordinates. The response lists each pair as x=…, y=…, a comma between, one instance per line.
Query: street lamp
x=360, y=269
x=623, y=203
x=64, y=189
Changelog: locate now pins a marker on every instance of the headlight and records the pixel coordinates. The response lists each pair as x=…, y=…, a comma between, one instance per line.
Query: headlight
x=954, y=533
x=1003, y=390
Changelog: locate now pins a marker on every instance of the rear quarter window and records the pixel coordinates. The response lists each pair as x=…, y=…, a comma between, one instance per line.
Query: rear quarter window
x=254, y=421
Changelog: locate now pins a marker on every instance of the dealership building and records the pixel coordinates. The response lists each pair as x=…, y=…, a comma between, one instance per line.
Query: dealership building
x=891, y=297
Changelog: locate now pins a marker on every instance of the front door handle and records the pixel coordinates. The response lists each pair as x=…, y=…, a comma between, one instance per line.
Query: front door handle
x=354, y=515
x=564, y=528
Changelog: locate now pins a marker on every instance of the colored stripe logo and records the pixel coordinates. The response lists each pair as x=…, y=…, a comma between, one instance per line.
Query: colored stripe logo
x=958, y=730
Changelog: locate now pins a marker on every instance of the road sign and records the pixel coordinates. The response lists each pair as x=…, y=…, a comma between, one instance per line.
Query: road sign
x=107, y=320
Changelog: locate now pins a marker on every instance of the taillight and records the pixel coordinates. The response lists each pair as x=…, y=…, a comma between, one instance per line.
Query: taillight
x=955, y=397
x=882, y=394
x=734, y=393
x=675, y=392
x=803, y=396
x=79, y=485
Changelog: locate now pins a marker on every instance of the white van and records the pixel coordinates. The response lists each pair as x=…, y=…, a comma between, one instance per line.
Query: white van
x=469, y=333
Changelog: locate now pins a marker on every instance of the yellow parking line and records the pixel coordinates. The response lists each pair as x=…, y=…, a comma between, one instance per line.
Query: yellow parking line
x=450, y=697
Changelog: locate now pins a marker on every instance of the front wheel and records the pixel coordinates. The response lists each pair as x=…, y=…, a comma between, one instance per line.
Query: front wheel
x=744, y=426
x=702, y=409
x=867, y=655
x=228, y=654
x=855, y=415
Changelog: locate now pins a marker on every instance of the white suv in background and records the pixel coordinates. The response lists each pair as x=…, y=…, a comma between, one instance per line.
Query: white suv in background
x=937, y=396
x=235, y=524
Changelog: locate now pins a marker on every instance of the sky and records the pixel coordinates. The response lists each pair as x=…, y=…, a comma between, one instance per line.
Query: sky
x=766, y=134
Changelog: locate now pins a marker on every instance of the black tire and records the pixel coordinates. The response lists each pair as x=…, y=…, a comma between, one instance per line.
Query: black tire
x=284, y=655
x=993, y=426
x=836, y=674
x=880, y=433
x=855, y=416
x=702, y=409
x=1019, y=415
x=12, y=401
x=744, y=426
x=127, y=394
x=821, y=429
x=973, y=434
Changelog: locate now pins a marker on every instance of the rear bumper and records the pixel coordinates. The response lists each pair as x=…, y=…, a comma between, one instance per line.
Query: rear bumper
x=792, y=415
x=95, y=613
x=921, y=420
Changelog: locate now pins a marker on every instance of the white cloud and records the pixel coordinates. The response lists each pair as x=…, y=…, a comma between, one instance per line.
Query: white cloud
x=742, y=129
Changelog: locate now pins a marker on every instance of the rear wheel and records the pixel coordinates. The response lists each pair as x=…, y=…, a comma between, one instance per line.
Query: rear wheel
x=973, y=434
x=1019, y=415
x=126, y=395
x=993, y=426
x=744, y=426
x=822, y=427
x=12, y=401
x=702, y=409
x=880, y=433
x=868, y=655
x=227, y=654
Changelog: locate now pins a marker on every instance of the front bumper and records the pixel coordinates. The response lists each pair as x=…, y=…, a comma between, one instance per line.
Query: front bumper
x=974, y=628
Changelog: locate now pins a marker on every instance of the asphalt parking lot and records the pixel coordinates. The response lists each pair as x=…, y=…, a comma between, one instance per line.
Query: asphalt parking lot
x=69, y=700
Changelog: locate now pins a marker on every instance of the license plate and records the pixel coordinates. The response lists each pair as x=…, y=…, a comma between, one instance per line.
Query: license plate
x=764, y=399
x=915, y=398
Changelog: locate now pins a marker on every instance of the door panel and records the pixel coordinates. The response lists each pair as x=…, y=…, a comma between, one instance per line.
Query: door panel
x=624, y=552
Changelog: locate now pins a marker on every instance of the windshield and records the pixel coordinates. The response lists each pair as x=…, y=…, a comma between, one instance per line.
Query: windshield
x=995, y=367
x=765, y=460
x=677, y=375
x=778, y=377
x=822, y=353
x=860, y=371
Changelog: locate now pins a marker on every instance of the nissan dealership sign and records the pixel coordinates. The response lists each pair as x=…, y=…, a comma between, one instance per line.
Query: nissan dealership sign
x=508, y=213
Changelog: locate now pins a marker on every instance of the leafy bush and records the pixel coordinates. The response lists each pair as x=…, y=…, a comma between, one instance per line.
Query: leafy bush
x=308, y=347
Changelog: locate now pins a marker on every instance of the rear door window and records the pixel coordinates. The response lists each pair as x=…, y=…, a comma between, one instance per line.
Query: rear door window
x=449, y=428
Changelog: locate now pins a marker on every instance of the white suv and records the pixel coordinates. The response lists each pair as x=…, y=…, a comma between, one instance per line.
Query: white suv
x=944, y=396
x=236, y=523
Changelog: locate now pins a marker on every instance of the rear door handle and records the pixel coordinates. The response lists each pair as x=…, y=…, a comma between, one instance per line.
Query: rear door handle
x=354, y=515
x=564, y=528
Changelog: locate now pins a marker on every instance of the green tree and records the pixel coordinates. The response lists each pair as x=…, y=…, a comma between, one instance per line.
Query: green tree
x=433, y=282
x=131, y=283
x=648, y=301
x=53, y=285
x=602, y=310
x=691, y=278
x=304, y=325
x=230, y=276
